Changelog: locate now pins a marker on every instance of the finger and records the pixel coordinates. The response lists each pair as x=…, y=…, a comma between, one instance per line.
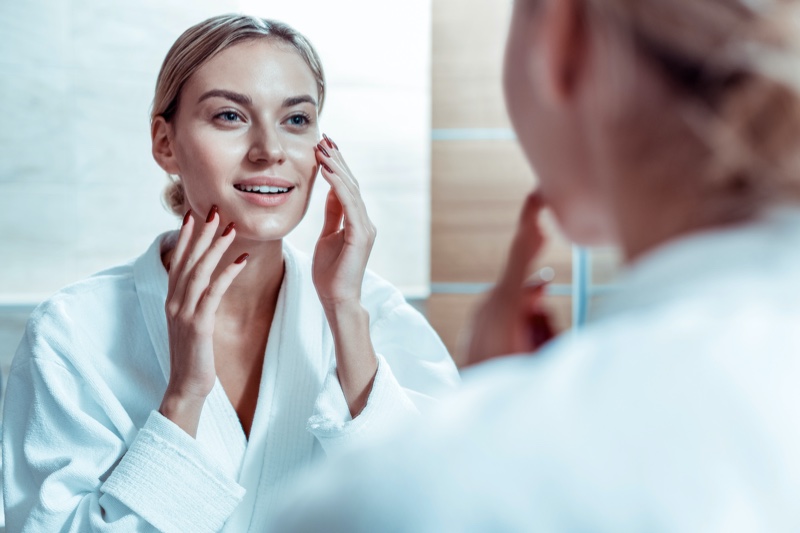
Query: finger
x=526, y=243
x=328, y=140
x=355, y=211
x=541, y=277
x=334, y=212
x=336, y=153
x=335, y=162
x=209, y=304
x=200, y=277
x=541, y=329
x=204, y=235
x=533, y=294
x=184, y=237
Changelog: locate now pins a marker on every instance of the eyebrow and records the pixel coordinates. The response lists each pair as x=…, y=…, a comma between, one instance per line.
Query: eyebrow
x=296, y=100
x=243, y=99
x=239, y=98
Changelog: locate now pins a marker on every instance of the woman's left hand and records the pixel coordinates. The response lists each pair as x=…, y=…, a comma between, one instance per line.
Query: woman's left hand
x=340, y=259
x=341, y=254
x=511, y=320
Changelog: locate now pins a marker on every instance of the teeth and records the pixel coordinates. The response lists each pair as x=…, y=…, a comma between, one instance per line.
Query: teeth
x=263, y=189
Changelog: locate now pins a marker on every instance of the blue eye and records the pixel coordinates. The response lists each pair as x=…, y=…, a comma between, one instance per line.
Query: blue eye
x=298, y=120
x=228, y=116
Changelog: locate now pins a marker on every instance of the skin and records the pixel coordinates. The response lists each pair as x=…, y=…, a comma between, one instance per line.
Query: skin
x=560, y=97
x=215, y=141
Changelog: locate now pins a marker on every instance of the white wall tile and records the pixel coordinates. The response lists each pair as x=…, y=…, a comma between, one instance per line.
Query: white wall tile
x=361, y=41
x=35, y=32
x=35, y=134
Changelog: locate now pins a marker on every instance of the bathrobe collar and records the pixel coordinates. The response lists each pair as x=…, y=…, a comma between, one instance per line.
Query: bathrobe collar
x=298, y=337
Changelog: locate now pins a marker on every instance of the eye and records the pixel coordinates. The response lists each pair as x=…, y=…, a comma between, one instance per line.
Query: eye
x=229, y=116
x=298, y=120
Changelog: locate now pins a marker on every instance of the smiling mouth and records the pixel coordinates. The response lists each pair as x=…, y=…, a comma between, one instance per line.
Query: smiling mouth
x=263, y=189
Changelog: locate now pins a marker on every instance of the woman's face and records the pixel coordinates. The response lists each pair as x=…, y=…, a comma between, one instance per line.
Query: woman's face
x=551, y=118
x=243, y=138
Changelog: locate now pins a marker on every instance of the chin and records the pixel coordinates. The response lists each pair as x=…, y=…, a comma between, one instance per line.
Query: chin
x=585, y=226
x=269, y=230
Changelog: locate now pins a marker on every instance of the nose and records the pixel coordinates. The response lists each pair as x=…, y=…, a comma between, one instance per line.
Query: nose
x=266, y=146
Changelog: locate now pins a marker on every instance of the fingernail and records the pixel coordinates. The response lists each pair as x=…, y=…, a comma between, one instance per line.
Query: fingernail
x=327, y=167
x=546, y=274
x=323, y=150
x=186, y=217
x=229, y=228
x=241, y=259
x=328, y=140
x=212, y=213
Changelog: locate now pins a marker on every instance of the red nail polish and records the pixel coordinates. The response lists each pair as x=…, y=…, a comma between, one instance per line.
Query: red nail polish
x=212, y=213
x=327, y=140
x=186, y=217
x=229, y=228
x=327, y=168
x=241, y=259
x=323, y=150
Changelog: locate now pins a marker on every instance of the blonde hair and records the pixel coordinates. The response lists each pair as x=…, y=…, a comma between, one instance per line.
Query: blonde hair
x=732, y=68
x=199, y=44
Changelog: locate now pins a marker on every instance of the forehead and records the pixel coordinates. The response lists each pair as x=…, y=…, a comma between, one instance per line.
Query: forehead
x=258, y=68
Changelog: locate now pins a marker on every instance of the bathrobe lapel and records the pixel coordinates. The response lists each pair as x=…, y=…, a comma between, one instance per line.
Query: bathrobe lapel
x=219, y=430
x=299, y=354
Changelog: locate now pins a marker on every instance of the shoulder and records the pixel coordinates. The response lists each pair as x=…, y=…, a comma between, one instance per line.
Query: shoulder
x=101, y=301
x=81, y=301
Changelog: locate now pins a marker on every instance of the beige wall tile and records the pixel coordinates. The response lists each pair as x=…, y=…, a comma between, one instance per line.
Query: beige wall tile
x=468, y=44
x=477, y=191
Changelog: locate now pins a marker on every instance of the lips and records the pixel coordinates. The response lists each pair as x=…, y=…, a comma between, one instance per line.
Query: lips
x=264, y=185
x=263, y=189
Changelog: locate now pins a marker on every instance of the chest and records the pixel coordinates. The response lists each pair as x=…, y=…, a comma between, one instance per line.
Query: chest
x=239, y=360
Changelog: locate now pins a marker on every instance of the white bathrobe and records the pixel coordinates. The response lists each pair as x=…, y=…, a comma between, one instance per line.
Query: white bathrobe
x=676, y=409
x=85, y=448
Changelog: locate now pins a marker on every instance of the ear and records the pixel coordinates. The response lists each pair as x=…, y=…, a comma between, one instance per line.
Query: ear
x=161, y=134
x=564, y=46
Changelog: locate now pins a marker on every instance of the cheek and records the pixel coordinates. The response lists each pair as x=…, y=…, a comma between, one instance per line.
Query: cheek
x=302, y=154
x=194, y=154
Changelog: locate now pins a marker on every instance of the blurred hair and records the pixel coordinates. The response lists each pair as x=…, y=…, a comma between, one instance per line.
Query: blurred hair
x=199, y=44
x=732, y=67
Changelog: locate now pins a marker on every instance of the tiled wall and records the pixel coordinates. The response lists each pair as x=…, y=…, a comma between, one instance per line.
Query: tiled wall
x=79, y=190
x=480, y=176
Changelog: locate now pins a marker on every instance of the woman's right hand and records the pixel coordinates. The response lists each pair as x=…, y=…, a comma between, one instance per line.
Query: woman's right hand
x=511, y=320
x=193, y=297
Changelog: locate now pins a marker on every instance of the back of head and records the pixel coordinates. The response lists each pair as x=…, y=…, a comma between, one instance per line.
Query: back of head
x=731, y=69
x=199, y=44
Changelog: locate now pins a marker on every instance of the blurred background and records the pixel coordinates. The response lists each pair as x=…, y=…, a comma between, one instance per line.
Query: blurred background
x=415, y=103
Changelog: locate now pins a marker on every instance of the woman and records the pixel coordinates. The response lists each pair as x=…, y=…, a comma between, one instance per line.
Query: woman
x=669, y=128
x=181, y=392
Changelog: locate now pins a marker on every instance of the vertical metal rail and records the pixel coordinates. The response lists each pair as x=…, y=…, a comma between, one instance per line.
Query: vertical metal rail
x=581, y=285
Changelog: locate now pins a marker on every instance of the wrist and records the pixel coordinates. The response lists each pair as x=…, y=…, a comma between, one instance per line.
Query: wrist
x=343, y=309
x=346, y=313
x=183, y=410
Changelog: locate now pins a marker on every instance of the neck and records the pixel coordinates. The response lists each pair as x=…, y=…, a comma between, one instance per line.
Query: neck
x=648, y=219
x=253, y=294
